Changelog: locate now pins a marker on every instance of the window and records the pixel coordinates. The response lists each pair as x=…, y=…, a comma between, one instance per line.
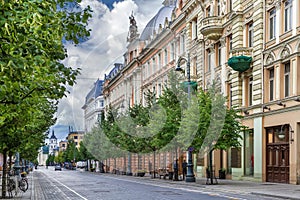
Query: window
x=166, y=56
x=250, y=91
x=250, y=34
x=272, y=24
x=182, y=44
x=219, y=54
x=271, y=84
x=194, y=29
x=208, y=14
x=219, y=8
x=75, y=137
x=153, y=66
x=159, y=89
x=286, y=79
x=130, y=55
x=288, y=5
x=148, y=70
x=228, y=45
x=173, y=51
x=229, y=93
x=209, y=60
x=159, y=61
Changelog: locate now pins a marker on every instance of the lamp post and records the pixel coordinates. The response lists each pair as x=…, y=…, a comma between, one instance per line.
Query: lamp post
x=190, y=177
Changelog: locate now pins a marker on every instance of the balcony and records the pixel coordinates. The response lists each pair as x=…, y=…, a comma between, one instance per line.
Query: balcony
x=211, y=27
x=241, y=51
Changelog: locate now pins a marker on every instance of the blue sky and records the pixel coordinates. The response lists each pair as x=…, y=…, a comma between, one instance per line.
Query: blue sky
x=96, y=56
x=109, y=3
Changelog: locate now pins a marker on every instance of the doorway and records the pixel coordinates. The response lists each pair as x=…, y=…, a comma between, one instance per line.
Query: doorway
x=278, y=148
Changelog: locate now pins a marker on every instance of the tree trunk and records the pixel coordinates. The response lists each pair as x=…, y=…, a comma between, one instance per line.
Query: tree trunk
x=4, y=174
x=154, y=165
x=211, y=168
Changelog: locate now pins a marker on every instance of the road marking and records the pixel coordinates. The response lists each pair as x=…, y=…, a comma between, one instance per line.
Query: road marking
x=70, y=189
x=180, y=188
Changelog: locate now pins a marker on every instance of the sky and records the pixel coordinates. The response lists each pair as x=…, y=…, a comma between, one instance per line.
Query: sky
x=96, y=56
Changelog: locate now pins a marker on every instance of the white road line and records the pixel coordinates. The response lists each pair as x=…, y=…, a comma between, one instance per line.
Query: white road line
x=69, y=189
x=180, y=188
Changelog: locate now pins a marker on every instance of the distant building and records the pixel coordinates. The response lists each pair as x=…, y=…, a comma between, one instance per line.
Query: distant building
x=63, y=145
x=93, y=107
x=52, y=144
x=43, y=155
x=76, y=136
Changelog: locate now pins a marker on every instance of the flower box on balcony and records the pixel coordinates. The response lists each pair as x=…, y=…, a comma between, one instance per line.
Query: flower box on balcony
x=240, y=63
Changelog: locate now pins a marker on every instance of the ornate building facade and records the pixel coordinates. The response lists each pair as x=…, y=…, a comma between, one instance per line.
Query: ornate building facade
x=251, y=49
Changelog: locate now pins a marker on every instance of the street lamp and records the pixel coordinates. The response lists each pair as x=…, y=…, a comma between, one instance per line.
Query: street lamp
x=190, y=177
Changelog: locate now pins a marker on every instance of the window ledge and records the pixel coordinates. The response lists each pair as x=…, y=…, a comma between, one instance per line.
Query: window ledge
x=285, y=35
x=271, y=43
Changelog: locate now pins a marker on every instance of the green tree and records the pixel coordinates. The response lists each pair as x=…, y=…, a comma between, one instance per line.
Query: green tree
x=31, y=71
x=84, y=154
x=59, y=158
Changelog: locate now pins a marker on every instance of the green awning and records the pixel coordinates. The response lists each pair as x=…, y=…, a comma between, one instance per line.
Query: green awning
x=240, y=63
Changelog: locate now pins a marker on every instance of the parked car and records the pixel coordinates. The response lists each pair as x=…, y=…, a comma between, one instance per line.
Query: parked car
x=57, y=167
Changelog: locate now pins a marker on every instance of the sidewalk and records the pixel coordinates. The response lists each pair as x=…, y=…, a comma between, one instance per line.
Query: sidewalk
x=276, y=190
x=284, y=191
x=30, y=192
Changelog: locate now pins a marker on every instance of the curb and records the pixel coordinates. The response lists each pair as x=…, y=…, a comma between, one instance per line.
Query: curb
x=274, y=196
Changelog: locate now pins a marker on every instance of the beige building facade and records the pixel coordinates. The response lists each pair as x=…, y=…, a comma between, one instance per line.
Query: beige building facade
x=251, y=49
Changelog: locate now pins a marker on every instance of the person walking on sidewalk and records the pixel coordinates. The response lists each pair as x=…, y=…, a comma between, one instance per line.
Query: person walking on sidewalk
x=175, y=167
x=184, y=169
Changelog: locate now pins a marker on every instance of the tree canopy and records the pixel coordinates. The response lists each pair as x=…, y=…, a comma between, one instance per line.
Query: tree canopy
x=33, y=77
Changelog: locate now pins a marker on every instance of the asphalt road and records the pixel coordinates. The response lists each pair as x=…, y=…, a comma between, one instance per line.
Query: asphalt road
x=75, y=185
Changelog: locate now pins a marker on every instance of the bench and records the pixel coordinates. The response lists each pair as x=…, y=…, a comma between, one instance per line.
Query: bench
x=163, y=172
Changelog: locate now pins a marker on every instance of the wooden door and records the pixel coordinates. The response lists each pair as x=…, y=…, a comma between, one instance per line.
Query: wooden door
x=278, y=166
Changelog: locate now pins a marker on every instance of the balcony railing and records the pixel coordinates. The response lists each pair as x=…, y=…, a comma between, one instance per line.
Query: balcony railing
x=241, y=51
x=212, y=27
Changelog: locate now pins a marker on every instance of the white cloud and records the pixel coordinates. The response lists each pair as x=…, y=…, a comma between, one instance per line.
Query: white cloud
x=106, y=46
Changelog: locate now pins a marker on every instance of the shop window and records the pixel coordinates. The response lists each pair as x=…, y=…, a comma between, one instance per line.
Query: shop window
x=235, y=158
x=249, y=153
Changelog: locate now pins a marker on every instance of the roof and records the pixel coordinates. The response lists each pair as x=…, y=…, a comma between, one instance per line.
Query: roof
x=117, y=68
x=95, y=92
x=153, y=25
x=53, y=136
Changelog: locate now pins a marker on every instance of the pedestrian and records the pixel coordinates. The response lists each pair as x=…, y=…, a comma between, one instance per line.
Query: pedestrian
x=184, y=169
x=175, y=167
